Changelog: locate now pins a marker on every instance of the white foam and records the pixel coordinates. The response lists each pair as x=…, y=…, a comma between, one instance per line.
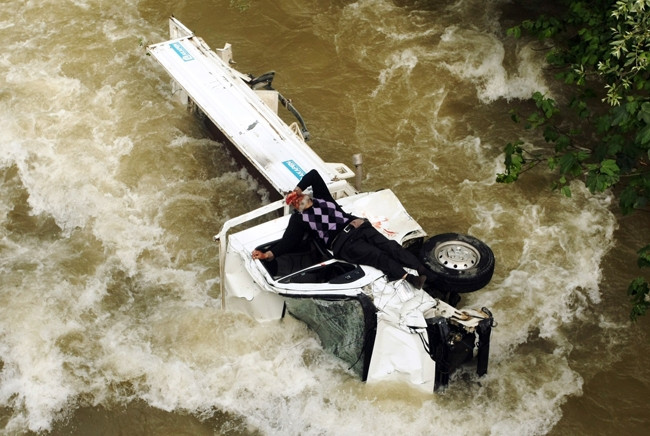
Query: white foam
x=481, y=61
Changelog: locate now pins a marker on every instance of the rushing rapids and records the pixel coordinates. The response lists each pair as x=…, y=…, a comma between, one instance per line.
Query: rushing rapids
x=110, y=314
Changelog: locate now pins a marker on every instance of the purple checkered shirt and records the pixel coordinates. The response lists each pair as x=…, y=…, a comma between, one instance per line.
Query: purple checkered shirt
x=324, y=218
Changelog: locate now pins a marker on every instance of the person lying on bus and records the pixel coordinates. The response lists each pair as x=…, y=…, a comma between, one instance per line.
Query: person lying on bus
x=350, y=238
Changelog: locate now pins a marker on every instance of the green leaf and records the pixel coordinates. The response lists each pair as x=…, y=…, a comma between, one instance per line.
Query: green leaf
x=638, y=292
x=627, y=200
x=644, y=257
x=644, y=113
x=631, y=107
x=583, y=155
x=514, y=32
x=535, y=120
x=609, y=167
x=569, y=164
x=602, y=176
x=563, y=142
x=513, y=161
x=603, y=124
x=514, y=116
x=621, y=116
x=550, y=134
x=547, y=105
x=643, y=137
x=615, y=144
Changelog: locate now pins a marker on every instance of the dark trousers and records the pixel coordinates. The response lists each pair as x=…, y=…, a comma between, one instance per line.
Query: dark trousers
x=366, y=246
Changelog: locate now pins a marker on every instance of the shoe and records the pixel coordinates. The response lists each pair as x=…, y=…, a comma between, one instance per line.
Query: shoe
x=416, y=281
x=431, y=277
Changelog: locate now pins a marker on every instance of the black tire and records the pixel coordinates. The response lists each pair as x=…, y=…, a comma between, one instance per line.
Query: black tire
x=461, y=262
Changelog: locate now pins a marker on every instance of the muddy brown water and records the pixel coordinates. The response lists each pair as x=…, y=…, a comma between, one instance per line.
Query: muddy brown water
x=109, y=300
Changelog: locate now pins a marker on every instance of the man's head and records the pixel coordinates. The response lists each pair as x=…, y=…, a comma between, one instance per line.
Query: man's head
x=299, y=201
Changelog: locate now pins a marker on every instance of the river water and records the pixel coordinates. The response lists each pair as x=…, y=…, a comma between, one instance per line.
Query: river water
x=110, y=321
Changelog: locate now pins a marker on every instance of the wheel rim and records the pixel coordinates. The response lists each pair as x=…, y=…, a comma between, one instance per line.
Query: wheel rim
x=457, y=255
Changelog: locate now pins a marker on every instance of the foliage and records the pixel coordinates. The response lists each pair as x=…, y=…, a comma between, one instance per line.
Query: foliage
x=601, y=133
x=639, y=290
x=242, y=5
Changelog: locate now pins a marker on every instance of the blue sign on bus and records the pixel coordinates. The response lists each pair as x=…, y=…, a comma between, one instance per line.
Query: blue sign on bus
x=181, y=51
x=294, y=168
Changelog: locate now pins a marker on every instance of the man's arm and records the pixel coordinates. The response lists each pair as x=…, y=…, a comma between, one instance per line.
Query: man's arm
x=314, y=179
x=290, y=239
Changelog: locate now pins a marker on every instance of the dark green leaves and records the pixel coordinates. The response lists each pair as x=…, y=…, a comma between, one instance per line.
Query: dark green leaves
x=602, y=176
x=514, y=161
x=644, y=257
x=639, y=290
x=546, y=105
x=601, y=135
x=643, y=137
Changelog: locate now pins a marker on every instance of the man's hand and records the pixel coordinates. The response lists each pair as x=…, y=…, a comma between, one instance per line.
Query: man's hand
x=291, y=197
